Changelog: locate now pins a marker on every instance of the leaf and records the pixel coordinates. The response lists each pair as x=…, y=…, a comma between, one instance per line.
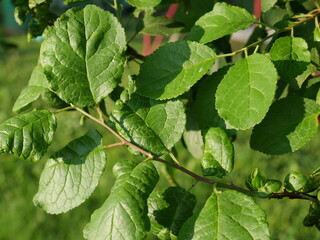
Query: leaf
x=246, y=92
x=291, y=57
x=151, y=124
x=271, y=186
x=168, y=209
x=218, y=157
x=83, y=55
x=172, y=69
x=255, y=180
x=28, y=135
x=37, y=84
x=290, y=123
x=71, y=175
x=295, y=181
x=70, y=2
x=123, y=216
x=204, y=104
x=230, y=215
x=159, y=26
x=192, y=136
x=143, y=3
x=267, y=4
x=223, y=20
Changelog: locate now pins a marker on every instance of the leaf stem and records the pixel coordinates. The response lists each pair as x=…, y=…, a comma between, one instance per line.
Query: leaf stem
x=114, y=145
x=124, y=141
x=63, y=109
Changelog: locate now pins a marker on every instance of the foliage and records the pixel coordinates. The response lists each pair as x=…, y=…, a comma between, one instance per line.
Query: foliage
x=81, y=64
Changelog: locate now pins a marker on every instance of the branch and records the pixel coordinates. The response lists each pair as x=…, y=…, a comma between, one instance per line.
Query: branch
x=314, y=13
x=188, y=172
x=293, y=196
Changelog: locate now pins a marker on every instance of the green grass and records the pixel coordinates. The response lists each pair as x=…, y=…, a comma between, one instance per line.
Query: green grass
x=20, y=219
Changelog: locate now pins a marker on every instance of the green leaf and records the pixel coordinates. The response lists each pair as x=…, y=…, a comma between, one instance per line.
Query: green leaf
x=223, y=20
x=192, y=136
x=173, y=69
x=267, y=4
x=218, y=157
x=28, y=135
x=143, y=3
x=246, y=92
x=159, y=26
x=271, y=186
x=168, y=209
x=83, y=55
x=71, y=175
x=230, y=215
x=290, y=123
x=124, y=215
x=291, y=57
x=69, y=2
x=37, y=84
x=255, y=180
x=151, y=124
x=295, y=181
x=204, y=104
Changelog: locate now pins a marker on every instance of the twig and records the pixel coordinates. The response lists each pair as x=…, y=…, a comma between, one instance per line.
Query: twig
x=114, y=145
x=113, y=132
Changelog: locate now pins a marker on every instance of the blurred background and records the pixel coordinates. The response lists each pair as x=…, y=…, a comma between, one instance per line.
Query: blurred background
x=21, y=220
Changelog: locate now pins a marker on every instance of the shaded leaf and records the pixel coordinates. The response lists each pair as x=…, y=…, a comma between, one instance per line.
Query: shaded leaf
x=290, y=123
x=37, y=84
x=291, y=58
x=28, y=135
x=229, y=215
x=267, y=4
x=218, y=157
x=223, y=20
x=71, y=175
x=124, y=215
x=192, y=136
x=204, y=104
x=159, y=26
x=83, y=55
x=153, y=125
x=168, y=209
x=246, y=92
x=173, y=69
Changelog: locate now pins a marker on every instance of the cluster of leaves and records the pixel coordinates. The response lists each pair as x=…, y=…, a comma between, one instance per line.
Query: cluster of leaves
x=271, y=90
x=42, y=17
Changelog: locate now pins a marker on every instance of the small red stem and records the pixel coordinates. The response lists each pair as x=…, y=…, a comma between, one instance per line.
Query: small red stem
x=146, y=47
x=170, y=14
x=257, y=8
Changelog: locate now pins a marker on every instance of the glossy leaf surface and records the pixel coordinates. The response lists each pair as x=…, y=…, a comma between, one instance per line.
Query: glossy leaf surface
x=230, y=215
x=173, y=69
x=37, y=84
x=223, y=20
x=246, y=92
x=71, y=175
x=291, y=57
x=83, y=55
x=28, y=135
x=154, y=125
x=124, y=215
x=218, y=157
